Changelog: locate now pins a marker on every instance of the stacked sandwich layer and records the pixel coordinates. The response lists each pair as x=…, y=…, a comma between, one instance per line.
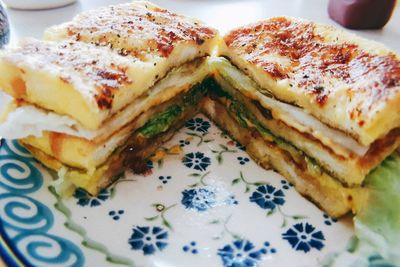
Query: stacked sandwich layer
x=103, y=91
x=319, y=105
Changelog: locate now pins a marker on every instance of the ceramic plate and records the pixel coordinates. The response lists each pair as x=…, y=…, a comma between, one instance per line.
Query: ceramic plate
x=206, y=203
x=34, y=4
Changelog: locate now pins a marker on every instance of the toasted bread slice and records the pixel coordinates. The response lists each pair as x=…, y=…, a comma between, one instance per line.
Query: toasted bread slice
x=325, y=191
x=339, y=154
x=103, y=59
x=140, y=29
x=87, y=154
x=347, y=82
x=132, y=155
x=80, y=80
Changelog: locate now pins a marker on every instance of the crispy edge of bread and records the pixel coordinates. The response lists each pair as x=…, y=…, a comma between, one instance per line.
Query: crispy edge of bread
x=330, y=195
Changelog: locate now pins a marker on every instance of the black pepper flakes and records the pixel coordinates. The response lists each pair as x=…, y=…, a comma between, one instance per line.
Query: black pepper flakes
x=319, y=88
x=264, y=111
x=199, y=41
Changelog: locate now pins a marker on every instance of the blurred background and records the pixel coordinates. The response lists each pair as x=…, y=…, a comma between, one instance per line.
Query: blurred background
x=221, y=14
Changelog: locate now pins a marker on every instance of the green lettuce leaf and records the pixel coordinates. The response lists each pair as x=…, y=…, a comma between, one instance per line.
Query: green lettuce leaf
x=377, y=224
x=161, y=122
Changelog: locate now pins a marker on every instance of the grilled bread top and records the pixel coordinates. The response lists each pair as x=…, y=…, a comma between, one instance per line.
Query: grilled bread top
x=140, y=29
x=72, y=78
x=347, y=82
x=103, y=60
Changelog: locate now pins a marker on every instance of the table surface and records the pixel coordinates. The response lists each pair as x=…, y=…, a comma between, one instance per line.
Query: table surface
x=222, y=14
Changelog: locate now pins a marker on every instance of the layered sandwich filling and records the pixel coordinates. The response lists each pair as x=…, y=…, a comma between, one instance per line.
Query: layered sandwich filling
x=118, y=76
x=335, y=152
x=153, y=113
x=105, y=90
x=68, y=141
x=103, y=60
x=346, y=82
x=136, y=148
x=270, y=151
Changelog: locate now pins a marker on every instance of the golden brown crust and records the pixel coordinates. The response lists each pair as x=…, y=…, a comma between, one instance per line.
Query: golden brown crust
x=155, y=29
x=313, y=59
x=323, y=70
x=103, y=59
x=132, y=155
x=321, y=188
x=107, y=76
x=350, y=168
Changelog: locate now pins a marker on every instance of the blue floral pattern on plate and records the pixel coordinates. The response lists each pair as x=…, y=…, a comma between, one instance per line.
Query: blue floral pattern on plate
x=243, y=160
x=304, y=237
x=192, y=248
x=268, y=197
x=197, y=161
x=198, y=125
x=199, y=199
x=211, y=205
x=183, y=143
x=148, y=239
x=329, y=220
x=85, y=199
x=164, y=179
x=241, y=253
x=116, y=214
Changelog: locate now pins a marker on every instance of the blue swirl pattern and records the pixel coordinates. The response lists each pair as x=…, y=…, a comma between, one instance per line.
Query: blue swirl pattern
x=29, y=219
x=23, y=213
x=19, y=176
x=49, y=250
x=15, y=149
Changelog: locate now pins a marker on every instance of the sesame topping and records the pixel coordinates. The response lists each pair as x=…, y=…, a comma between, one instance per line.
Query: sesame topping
x=74, y=60
x=317, y=67
x=138, y=29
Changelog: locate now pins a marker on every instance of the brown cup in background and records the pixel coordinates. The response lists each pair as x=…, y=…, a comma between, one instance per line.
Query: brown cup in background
x=361, y=14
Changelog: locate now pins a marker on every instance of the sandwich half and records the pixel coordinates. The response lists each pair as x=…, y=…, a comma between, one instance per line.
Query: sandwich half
x=319, y=105
x=102, y=92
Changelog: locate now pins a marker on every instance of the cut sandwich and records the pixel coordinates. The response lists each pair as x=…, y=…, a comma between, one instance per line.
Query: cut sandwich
x=143, y=52
x=90, y=109
x=101, y=93
x=325, y=103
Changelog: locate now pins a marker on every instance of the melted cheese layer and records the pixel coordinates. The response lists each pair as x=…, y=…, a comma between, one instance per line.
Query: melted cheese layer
x=293, y=116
